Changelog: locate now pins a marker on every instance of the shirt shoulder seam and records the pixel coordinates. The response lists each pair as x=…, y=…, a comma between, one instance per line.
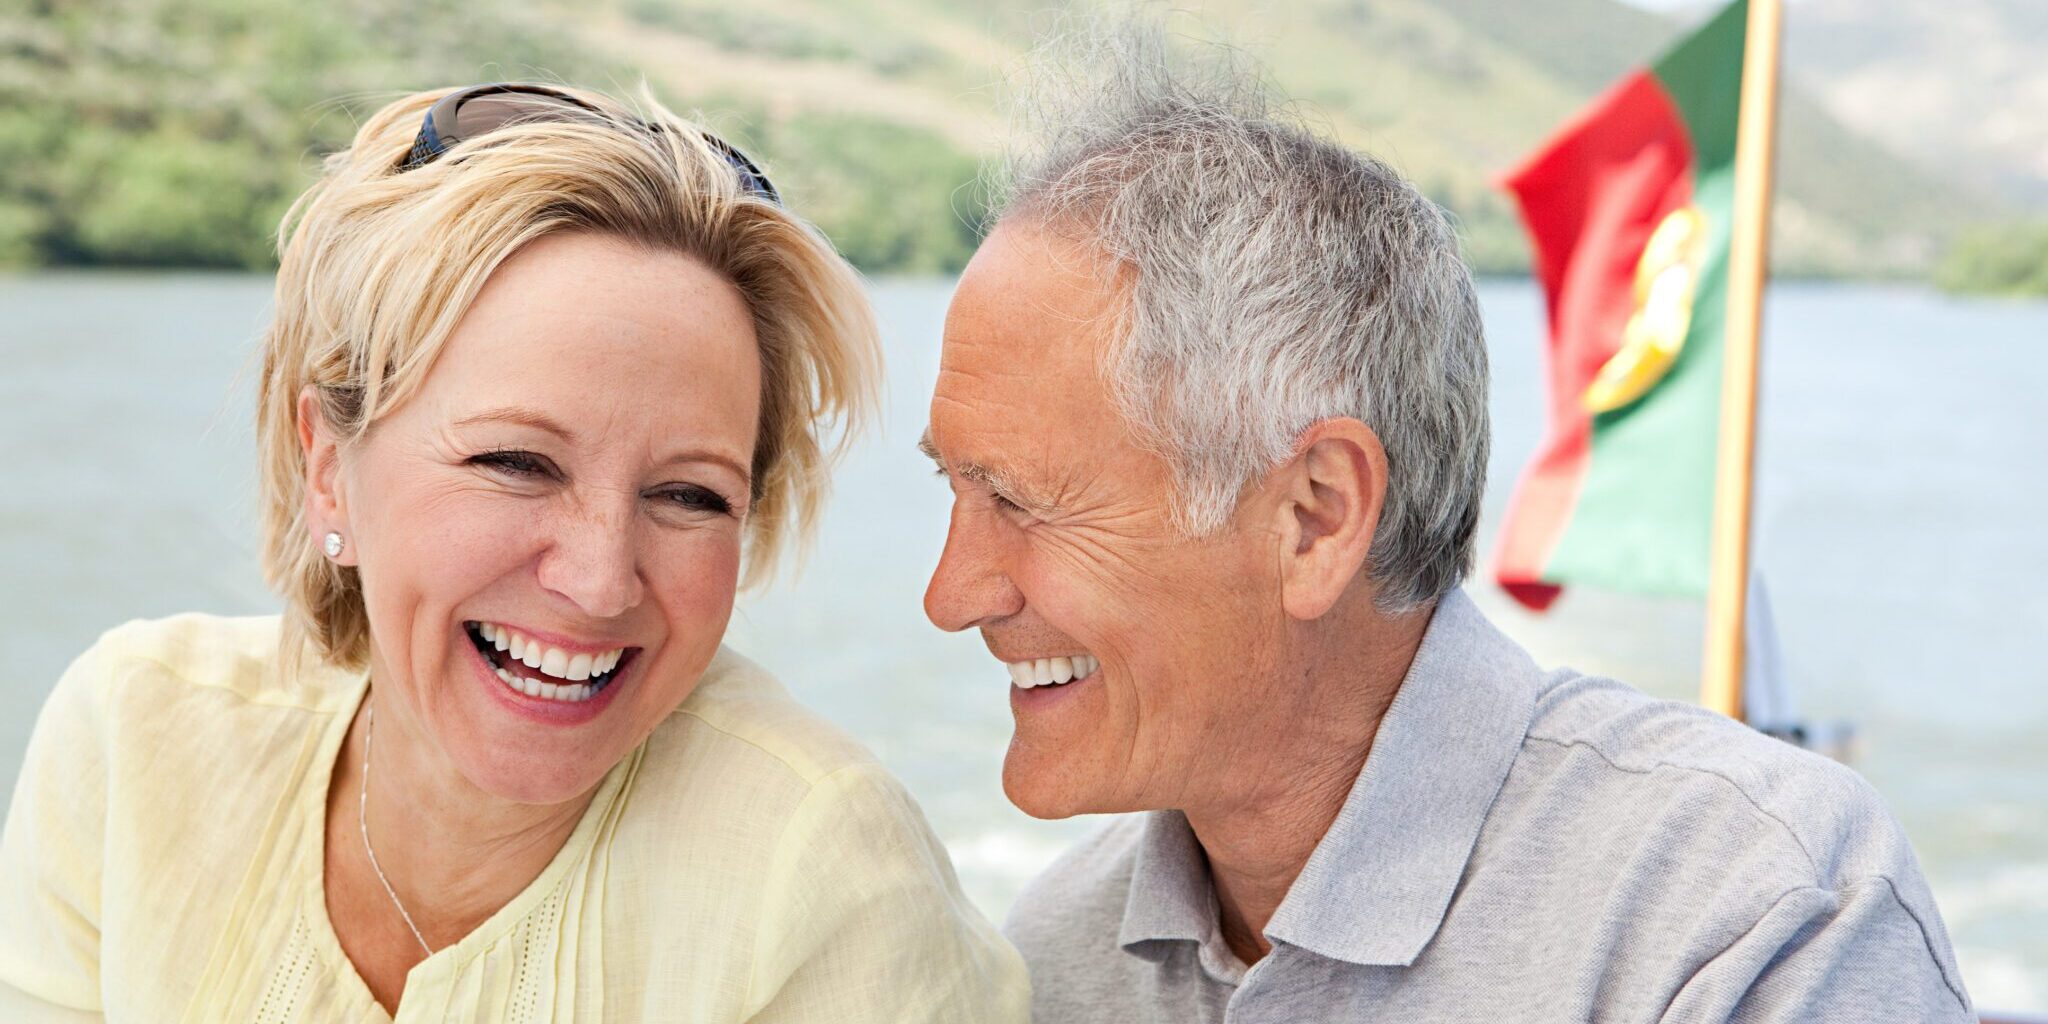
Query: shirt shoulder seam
x=1891, y=888
x=120, y=659
x=811, y=778
x=1812, y=865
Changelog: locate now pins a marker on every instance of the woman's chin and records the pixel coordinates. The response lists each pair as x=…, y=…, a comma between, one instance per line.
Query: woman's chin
x=528, y=749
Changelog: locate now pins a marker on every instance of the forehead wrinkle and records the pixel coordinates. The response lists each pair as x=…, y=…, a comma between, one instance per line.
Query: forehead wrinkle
x=1051, y=272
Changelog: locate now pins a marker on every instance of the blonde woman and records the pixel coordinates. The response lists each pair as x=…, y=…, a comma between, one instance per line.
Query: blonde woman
x=544, y=376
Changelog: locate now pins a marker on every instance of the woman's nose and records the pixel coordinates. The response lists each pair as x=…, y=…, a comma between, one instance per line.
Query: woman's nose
x=594, y=564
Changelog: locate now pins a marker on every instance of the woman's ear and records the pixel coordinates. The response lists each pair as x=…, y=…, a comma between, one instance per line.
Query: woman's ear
x=326, y=503
x=1336, y=486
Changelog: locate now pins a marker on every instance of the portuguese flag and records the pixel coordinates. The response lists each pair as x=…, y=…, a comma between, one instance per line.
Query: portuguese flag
x=1629, y=206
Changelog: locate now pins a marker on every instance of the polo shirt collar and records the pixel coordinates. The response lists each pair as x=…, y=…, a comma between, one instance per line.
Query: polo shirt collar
x=1172, y=898
x=1377, y=886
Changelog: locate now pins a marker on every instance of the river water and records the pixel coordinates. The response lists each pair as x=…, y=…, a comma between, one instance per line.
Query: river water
x=1899, y=527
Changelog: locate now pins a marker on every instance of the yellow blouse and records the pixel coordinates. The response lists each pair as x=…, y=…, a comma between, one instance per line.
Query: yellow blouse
x=162, y=861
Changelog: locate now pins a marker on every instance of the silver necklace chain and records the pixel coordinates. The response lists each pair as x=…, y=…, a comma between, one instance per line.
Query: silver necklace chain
x=363, y=822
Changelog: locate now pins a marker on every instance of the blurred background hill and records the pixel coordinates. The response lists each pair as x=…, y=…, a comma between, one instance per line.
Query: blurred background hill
x=1959, y=85
x=174, y=132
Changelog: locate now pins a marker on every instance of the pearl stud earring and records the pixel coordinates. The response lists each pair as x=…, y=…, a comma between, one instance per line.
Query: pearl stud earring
x=333, y=544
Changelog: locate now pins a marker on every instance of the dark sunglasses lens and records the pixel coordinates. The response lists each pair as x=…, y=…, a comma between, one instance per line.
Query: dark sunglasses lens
x=750, y=175
x=482, y=115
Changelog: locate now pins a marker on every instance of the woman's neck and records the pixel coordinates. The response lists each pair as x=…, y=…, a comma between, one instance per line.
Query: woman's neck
x=453, y=854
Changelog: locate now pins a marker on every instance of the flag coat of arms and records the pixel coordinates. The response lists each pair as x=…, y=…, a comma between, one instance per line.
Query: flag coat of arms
x=1629, y=207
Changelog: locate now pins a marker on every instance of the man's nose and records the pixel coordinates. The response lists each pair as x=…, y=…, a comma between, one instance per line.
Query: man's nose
x=971, y=586
x=594, y=563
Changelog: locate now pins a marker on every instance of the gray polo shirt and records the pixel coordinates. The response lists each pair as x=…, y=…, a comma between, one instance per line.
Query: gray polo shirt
x=1522, y=846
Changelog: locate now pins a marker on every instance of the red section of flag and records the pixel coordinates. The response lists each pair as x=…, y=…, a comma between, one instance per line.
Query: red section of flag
x=1590, y=197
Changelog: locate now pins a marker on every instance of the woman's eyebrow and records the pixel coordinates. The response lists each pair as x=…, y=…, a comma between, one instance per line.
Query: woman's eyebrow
x=740, y=470
x=519, y=416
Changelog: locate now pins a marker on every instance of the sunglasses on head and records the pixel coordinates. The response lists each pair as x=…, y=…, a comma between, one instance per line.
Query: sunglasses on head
x=481, y=109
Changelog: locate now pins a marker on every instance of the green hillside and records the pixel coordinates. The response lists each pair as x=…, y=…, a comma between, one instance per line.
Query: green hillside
x=173, y=132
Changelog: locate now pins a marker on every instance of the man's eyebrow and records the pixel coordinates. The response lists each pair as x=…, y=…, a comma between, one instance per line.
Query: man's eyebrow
x=993, y=479
x=965, y=471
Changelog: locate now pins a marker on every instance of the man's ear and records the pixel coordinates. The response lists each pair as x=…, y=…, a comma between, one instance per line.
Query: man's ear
x=326, y=501
x=1329, y=512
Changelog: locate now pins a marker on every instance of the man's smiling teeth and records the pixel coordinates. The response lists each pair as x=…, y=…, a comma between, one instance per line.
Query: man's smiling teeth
x=573, y=669
x=1052, y=671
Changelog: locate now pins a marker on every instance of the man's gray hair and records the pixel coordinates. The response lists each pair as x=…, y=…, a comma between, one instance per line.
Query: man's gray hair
x=1275, y=279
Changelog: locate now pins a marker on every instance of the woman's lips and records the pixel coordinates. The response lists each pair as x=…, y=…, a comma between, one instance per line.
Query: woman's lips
x=531, y=668
x=557, y=712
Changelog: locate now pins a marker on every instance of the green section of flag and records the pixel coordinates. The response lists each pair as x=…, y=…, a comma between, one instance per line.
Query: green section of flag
x=1644, y=518
x=1703, y=76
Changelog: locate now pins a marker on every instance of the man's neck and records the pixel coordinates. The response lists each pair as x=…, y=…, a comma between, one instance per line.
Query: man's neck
x=1286, y=792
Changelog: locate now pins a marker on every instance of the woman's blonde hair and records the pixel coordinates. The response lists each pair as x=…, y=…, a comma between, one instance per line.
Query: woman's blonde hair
x=377, y=266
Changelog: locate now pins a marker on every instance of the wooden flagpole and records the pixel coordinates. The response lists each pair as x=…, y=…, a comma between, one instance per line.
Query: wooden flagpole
x=1748, y=265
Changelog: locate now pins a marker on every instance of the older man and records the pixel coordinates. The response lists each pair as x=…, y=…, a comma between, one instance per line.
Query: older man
x=1213, y=408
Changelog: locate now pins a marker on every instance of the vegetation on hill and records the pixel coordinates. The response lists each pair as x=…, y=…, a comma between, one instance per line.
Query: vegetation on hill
x=2009, y=260
x=174, y=132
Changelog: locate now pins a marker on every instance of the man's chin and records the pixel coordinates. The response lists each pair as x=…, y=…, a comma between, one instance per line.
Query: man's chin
x=1046, y=789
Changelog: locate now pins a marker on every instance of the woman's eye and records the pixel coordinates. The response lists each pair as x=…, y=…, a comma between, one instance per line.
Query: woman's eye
x=697, y=499
x=515, y=463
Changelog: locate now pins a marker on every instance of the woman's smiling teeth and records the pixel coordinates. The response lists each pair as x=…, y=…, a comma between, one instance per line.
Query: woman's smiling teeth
x=1052, y=671
x=557, y=674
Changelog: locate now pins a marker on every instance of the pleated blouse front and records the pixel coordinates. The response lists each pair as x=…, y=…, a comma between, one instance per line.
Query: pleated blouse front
x=286, y=965
x=163, y=860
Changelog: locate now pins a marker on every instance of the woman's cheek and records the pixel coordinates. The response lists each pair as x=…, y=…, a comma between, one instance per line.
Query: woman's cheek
x=697, y=580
